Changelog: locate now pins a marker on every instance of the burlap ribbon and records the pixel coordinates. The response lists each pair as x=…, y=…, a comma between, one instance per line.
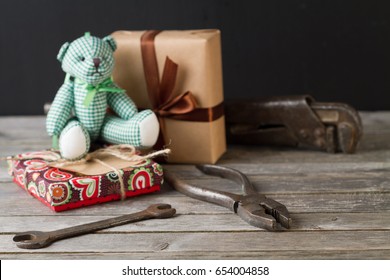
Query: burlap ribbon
x=164, y=103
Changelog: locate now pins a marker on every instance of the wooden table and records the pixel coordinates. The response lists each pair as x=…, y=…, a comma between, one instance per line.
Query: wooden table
x=340, y=206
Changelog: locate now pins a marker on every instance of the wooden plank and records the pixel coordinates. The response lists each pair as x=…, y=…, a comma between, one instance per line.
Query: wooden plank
x=257, y=163
x=4, y=176
x=33, y=127
x=340, y=206
x=28, y=133
x=13, y=125
x=250, y=167
x=22, y=128
x=227, y=222
x=11, y=195
x=14, y=148
x=213, y=242
x=302, y=183
x=27, y=130
x=375, y=181
x=196, y=255
x=326, y=166
x=377, y=121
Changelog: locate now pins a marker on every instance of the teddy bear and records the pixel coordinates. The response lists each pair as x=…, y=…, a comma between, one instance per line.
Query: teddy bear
x=78, y=115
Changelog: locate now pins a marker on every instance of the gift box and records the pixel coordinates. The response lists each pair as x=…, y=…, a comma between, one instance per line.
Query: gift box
x=78, y=185
x=178, y=74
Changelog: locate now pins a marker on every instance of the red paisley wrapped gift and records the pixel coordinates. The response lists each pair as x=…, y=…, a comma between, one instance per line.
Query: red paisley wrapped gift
x=62, y=189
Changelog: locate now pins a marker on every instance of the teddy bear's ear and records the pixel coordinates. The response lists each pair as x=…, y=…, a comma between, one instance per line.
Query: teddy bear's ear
x=110, y=41
x=62, y=51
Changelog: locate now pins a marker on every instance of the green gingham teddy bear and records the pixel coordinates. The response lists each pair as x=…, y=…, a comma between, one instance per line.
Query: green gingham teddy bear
x=78, y=114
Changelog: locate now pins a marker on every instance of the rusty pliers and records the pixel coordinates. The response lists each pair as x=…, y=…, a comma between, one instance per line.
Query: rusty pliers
x=253, y=207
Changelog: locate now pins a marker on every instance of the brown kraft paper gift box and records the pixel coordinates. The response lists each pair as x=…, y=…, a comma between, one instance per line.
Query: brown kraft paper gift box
x=146, y=64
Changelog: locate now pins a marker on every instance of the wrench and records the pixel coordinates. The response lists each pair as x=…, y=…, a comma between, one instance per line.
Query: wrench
x=40, y=239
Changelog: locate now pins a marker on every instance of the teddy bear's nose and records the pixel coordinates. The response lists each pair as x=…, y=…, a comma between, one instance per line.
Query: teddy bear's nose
x=96, y=62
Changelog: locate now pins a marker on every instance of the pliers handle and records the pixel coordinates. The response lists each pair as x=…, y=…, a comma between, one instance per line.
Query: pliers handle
x=254, y=208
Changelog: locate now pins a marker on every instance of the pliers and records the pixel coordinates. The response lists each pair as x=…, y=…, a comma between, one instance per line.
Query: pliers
x=253, y=207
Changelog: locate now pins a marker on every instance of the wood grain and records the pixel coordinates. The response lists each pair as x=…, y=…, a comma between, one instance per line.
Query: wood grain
x=340, y=206
x=258, y=241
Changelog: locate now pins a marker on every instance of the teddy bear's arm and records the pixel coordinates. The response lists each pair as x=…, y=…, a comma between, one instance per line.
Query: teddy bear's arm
x=121, y=104
x=60, y=109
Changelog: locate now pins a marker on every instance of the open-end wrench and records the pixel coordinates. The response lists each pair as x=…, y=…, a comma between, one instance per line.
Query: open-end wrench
x=40, y=239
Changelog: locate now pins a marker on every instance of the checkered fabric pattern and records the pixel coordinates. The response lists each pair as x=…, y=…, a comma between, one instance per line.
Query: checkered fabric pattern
x=119, y=131
x=89, y=61
x=81, y=55
x=60, y=109
x=122, y=105
x=91, y=117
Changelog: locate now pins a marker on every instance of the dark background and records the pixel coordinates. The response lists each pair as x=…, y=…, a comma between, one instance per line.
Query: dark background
x=334, y=50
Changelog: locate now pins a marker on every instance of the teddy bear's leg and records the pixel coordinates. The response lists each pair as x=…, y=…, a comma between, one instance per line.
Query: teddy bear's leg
x=140, y=131
x=74, y=141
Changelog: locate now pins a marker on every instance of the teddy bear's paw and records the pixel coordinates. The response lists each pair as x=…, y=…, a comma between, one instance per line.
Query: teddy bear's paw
x=149, y=129
x=74, y=142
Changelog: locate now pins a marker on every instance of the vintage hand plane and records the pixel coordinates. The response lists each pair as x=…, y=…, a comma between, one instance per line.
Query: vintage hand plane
x=294, y=121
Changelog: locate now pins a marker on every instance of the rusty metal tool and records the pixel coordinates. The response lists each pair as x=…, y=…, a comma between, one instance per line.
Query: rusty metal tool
x=253, y=207
x=40, y=239
x=294, y=121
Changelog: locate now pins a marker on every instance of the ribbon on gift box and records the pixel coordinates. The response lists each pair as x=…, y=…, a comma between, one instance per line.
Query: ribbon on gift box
x=164, y=103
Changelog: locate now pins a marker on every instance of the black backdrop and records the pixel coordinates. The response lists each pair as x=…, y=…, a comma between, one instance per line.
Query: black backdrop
x=333, y=49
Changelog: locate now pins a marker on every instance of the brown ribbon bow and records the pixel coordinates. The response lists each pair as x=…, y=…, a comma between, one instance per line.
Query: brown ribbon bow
x=164, y=103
